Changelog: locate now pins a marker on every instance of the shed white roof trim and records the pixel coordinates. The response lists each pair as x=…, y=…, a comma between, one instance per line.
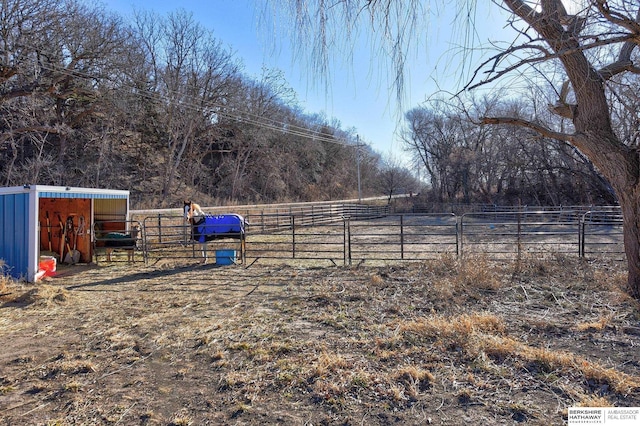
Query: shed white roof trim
x=47, y=191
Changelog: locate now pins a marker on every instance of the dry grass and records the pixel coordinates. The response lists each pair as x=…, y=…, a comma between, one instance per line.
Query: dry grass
x=43, y=294
x=479, y=274
x=480, y=342
x=4, y=280
x=596, y=325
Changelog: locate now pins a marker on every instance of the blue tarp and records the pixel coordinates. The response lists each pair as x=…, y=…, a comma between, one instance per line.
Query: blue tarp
x=212, y=227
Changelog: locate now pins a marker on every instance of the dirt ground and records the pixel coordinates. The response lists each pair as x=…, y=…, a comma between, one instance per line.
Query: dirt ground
x=436, y=342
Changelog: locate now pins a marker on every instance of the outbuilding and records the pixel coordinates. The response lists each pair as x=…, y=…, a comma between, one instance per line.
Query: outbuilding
x=37, y=219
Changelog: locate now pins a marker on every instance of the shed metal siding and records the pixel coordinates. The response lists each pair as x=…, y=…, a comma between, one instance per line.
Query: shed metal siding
x=110, y=209
x=14, y=233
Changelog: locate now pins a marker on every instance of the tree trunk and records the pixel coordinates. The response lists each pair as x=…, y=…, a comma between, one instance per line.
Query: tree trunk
x=620, y=166
x=630, y=202
x=594, y=135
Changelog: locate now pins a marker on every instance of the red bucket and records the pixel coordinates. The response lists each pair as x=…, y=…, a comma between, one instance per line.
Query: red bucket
x=48, y=265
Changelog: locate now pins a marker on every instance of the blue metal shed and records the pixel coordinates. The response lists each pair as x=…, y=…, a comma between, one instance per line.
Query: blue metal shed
x=21, y=217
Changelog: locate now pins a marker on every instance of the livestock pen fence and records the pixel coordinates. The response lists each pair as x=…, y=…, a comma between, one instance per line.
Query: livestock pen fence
x=584, y=232
x=354, y=233
x=166, y=234
x=496, y=234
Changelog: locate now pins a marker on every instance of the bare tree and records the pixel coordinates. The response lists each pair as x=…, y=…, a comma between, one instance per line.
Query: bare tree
x=434, y=139
x=495, y=164
x=591, y=47
x=54, y=57
x=395, y=178
x=190, y=72
x=461, y=158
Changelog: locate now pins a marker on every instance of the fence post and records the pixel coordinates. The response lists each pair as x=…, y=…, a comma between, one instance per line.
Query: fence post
x=461, y=233
x=144, y=240
x=344, y=240
x=293, y=236
x=581, y=227
x=402, y=236
x=458, y=235
x=348, y=221
x=519, y=236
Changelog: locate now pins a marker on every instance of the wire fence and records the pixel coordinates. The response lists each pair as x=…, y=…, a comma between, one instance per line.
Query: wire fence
x=350, y=234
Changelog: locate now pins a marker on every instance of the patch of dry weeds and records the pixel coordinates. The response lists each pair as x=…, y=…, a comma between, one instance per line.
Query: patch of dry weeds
x=474, y=343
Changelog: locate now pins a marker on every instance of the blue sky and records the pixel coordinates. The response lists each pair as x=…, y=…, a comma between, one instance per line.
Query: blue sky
x=359, y=94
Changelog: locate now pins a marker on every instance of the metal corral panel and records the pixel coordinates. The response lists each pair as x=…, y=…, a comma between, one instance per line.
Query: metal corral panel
x=14, y=233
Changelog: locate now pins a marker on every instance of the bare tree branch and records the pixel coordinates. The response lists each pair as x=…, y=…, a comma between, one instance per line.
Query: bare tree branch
x=542, y=130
